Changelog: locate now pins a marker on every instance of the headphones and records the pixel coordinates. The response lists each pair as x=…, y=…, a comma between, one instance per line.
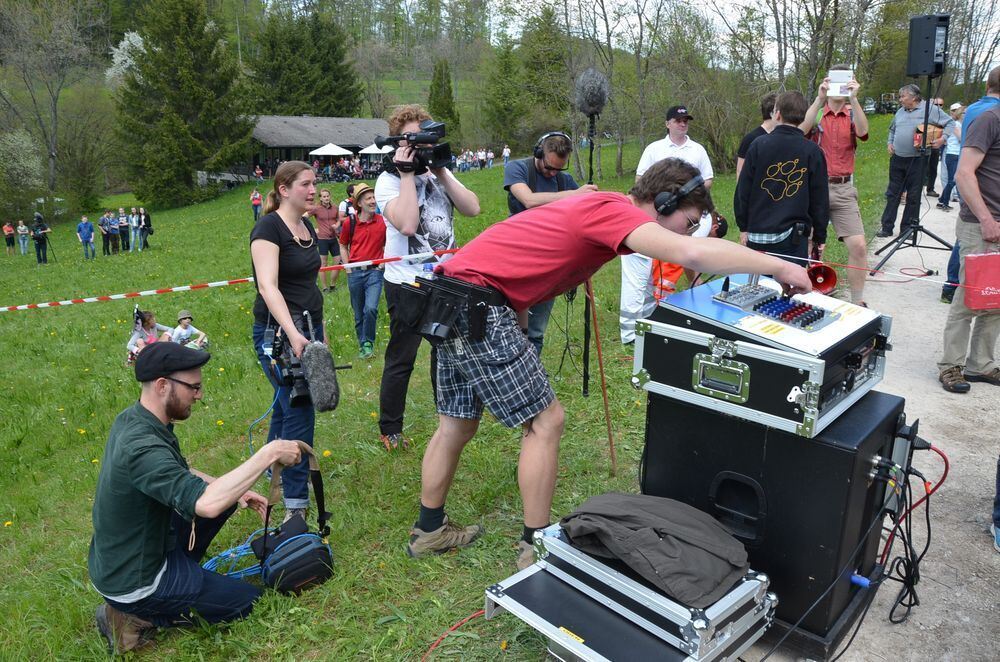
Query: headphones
x=538, y=152
x=666, y=203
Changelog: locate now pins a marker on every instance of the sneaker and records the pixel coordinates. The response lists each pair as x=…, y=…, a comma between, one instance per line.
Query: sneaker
x=367, y=350
x=996, y=537
x=883, y=233
x=525, y=555
x=991, y=377
x=292, y=512
x=122, y=631
x=449, y=536
x=945, y=207
x=946, y=297
x=394, y=441
x=932, y=194
x=953, y=381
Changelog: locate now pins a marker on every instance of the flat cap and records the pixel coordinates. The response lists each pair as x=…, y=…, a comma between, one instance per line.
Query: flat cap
x=164, y=358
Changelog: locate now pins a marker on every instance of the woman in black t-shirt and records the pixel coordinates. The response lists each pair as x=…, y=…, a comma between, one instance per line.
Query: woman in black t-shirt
x=283, y=247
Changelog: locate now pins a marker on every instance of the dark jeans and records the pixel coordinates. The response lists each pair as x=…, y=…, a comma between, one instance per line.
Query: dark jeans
x=256, y=212
x=114, y=244
x=538, y=320
x=789, y=249
x=365, y=288
x=123, y=236
x=89, y=252
x=996, y=499
x=400, y=353
x=288, y=422
x=186, y=586
x=106, y=244
x=951, y=166
x=933, y=159
x=144, y=233
x=904, y=175
x=42, y=252
x=954, y=265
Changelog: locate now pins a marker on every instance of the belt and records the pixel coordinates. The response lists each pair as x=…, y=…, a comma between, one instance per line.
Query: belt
x=488, y=295
x=840, y=180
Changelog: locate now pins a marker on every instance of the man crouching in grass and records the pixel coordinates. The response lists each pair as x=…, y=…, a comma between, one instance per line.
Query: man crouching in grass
x=154, y=516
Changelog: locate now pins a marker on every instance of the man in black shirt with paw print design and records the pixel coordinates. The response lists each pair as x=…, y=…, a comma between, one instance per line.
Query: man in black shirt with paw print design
x=782, y=200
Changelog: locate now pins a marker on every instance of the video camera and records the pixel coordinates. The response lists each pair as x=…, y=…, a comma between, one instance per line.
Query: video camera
x=288, y=367
x=438, y=156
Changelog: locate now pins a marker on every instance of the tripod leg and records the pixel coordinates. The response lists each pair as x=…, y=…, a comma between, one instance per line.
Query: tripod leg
x=894, y=245
x=936, y=238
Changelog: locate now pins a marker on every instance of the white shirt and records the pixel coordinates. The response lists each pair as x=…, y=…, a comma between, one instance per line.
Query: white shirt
x=180, y=334
x=435, y=228
x=692, y=153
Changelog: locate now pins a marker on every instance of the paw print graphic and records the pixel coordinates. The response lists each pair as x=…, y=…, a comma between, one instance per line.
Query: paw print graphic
x=783, y=180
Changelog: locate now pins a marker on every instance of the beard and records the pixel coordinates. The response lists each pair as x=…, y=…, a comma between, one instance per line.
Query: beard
x=176, y=410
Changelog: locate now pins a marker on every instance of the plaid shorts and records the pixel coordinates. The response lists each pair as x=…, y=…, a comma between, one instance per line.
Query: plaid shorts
x=502, y=371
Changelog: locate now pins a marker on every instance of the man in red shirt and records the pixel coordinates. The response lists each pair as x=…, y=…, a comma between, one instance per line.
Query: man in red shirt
x=327, y=226
x=362, y=238
x=534, y=256
x=842, y=123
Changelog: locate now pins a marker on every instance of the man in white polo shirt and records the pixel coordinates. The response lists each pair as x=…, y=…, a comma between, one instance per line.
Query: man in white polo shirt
x=637, y=300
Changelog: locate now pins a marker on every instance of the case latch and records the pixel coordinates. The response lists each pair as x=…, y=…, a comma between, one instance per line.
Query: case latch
x=722, y=348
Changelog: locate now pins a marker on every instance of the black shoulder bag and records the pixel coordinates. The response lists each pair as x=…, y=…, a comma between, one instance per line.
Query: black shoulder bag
x=292, y=558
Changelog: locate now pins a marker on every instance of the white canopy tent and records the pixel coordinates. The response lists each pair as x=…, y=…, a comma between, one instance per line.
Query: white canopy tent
x=330, y=149
x=372, y=149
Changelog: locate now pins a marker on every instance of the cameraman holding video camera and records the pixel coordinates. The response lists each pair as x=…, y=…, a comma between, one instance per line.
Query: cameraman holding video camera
x=283, y=247
x=417, y=195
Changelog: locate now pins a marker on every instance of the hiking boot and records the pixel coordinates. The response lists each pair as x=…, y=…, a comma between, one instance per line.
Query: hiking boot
x=525, y=555
x=449, y=536
x=122, y=631
x=883, y=233
x=991, y=377
x=292, y=512
x=953, y=381
x=394, y=441
x=946, y=297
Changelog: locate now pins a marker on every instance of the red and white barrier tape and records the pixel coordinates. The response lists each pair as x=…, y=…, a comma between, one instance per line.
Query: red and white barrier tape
x=218, y=283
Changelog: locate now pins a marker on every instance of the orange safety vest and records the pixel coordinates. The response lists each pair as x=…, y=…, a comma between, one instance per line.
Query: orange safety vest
x=665, y=277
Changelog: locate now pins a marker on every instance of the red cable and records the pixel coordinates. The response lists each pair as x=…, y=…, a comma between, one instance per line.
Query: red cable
x=929, y=491
x=450, y=630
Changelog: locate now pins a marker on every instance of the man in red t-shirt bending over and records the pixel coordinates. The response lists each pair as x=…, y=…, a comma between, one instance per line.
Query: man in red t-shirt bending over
x=534, y=256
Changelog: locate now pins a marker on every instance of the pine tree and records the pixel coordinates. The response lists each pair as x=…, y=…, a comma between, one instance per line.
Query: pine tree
x=441, y=101
x=302, y=67
x=502, y=105
x=543, y=51
x=182, y=106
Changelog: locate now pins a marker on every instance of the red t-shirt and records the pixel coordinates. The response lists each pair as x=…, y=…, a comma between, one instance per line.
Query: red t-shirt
x=545, y=251
x=369, y=243
x=326, y=221
x=838, y=140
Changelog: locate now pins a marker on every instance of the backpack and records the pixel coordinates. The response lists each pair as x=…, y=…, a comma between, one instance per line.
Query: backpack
x=513, y=203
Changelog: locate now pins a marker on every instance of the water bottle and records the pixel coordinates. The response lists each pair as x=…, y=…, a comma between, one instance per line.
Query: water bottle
x=428, y=271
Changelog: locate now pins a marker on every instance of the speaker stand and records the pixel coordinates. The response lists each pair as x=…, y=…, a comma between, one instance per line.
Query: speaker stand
x=910, y=237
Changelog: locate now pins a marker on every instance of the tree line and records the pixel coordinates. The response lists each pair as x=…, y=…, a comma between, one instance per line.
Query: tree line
x=140, y=94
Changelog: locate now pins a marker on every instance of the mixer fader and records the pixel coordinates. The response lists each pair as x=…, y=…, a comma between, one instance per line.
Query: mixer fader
x=767, y=302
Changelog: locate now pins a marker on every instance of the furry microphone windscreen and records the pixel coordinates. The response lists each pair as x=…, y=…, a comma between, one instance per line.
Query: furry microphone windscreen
x=591, y=92
x=317, y=363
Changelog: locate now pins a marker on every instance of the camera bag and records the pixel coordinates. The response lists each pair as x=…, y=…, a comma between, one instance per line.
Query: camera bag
x=293, y=558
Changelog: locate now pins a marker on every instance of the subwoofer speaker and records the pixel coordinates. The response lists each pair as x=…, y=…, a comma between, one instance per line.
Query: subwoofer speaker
x=801, y=506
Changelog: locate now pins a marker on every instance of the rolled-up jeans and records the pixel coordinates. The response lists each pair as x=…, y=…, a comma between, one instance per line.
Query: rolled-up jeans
x=288, y=422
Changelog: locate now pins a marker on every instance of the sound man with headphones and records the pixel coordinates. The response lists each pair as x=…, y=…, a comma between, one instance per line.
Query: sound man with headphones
x=531, y=257
x=537, y=180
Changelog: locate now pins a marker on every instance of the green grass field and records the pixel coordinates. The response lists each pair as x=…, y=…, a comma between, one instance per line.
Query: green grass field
x=64, y=383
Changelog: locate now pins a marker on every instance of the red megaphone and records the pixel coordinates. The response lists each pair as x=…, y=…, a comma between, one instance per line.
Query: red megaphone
x=823, y=278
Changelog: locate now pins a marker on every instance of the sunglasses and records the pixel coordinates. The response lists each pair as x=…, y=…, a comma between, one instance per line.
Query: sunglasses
x=547, y=168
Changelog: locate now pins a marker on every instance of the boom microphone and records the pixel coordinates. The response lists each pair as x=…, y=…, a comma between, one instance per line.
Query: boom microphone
x=320, y=372
x=591, y=92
